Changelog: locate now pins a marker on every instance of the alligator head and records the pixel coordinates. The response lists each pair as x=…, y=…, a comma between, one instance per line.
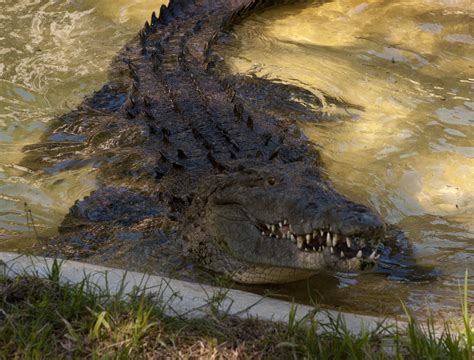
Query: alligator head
x=280, y=223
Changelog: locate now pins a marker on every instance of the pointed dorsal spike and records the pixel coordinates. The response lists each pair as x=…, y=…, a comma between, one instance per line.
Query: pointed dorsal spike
x=149, y=115
x=133, y=71
x=131, y=113
x=147, y=101
x=165, y=131
x=274, y=154
x=250, y=122
x=135, y=86
x=163, y=157
x=165, y=15
x=147, y=28
x=177, y=166
x=142, y=36
x=239, y=110
x=181, y=154
x=154, y=19
x=215, y=164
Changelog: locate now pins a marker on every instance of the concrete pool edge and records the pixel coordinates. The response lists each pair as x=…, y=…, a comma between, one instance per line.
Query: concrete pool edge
x=187, y=299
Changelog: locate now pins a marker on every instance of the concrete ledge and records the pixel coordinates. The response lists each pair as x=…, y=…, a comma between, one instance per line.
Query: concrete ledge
x=183, y=298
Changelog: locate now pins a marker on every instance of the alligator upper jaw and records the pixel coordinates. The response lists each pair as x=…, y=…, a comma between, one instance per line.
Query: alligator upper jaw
x=277, y=244
x=321, y=239
x=337, y=250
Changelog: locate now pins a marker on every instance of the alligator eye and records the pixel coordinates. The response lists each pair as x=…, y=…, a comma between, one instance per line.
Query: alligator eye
x=271, y=181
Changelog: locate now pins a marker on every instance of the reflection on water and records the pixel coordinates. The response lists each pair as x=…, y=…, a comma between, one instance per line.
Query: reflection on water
x=410, y=152
x=52, y=54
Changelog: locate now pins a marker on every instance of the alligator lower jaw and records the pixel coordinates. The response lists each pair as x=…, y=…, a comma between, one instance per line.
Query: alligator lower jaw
x=323, y=241
x=270, y=275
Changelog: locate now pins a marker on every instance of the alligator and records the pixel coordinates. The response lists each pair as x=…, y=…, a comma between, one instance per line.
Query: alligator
x=189, y=152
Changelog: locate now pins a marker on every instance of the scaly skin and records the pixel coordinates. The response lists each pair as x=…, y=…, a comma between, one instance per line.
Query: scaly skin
x=191, y=152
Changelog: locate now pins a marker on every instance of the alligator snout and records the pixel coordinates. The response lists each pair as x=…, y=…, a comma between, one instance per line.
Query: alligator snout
x=356, y=220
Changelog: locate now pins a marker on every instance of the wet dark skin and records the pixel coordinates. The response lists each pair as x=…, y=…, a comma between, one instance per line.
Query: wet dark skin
x=188, y=152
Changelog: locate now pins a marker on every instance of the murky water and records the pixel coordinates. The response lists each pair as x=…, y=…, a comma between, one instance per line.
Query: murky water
x=52, y=54
x=410, y=152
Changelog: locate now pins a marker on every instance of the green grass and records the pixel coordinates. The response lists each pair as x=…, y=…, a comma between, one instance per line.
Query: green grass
x=44, y=319
x=425, y=342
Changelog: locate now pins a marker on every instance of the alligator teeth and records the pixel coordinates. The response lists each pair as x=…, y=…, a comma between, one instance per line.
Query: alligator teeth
x=321, y=233
x=315, y=234
x=332, y=250
x=299, y=242
x=335, y=239
x=328, y=239
x=320, y=249
x=285, y=222
x=308, y=238
x=269, y=227
x=273, y=227
x=263, y=232
x=342, y=254
x=292, y=237
x=372, y=256
x=348, y=242
x=359, y=254
x=314, y=248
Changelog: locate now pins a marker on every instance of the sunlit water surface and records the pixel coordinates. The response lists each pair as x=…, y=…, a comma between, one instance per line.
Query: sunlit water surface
x=52, y=54
x=410, y=152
